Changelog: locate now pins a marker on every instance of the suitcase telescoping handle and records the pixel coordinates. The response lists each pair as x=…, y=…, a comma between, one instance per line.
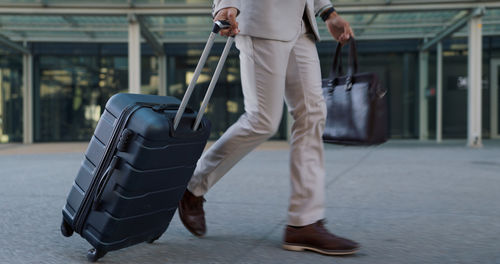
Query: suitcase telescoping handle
x=218, y=25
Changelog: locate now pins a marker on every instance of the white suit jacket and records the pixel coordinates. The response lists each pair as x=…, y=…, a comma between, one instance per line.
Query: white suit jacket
x=273, y=19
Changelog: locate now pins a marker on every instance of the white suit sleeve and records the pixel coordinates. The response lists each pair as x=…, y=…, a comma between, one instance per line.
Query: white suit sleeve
x=221, y=4
x=320, y=5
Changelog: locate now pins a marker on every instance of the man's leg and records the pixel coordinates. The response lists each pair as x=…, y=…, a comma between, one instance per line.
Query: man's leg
x=306, y=230
x=306, y=104
x=263, y=70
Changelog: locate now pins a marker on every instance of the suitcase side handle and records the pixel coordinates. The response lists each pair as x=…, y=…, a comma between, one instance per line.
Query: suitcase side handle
x=163, y=107
x=204, y=55
x=102, y=183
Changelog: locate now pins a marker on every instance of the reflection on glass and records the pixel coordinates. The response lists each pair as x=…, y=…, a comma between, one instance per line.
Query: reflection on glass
x=72, y=93
x=11, y=99
x=149, y=75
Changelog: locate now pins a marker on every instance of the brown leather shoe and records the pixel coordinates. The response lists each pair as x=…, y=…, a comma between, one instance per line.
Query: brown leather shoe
x=315, y=237
x=192, y=214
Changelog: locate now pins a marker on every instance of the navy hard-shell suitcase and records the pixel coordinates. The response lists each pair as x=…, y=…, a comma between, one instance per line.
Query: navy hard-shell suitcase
x=137, y=166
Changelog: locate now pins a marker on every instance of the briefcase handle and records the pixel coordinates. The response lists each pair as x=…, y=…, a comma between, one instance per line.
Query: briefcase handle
x=218, y=25
x=352, y=68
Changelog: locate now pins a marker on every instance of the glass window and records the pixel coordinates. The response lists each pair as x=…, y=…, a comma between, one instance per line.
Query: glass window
x=11, y=98
x=149, y=75
x=455, y=91
x=71, y=93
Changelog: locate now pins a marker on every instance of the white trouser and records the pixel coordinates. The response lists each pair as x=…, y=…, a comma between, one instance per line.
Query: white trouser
x=270, y=71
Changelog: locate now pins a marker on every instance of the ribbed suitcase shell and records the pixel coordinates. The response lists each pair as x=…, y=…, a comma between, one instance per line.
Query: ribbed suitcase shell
x=143, y=191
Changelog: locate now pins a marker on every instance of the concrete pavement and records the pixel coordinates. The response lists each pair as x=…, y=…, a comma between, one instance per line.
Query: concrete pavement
x=404, y=201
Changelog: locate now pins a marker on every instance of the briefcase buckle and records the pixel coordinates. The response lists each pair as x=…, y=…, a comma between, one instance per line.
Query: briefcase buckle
x=348, y=83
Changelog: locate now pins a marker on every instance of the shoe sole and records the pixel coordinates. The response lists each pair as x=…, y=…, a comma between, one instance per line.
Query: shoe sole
x=324, y=252
x=186, y=226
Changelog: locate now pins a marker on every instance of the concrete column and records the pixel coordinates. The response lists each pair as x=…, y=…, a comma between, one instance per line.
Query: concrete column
x=27, y=98
x=475, y=83
x=134, y=56
x=162, y=75
x=439, y=93
x=406, y=95
x=423, y=83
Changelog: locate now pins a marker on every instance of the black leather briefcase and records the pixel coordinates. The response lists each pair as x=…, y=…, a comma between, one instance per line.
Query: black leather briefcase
x=356, y=104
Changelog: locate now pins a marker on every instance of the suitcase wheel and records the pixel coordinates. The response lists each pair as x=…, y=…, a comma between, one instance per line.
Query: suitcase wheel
x=66, y=229
x=93, y=255
x=152, y=240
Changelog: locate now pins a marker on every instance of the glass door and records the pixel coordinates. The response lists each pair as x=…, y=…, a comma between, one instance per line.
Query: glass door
x=11, y=99
x=495, y=98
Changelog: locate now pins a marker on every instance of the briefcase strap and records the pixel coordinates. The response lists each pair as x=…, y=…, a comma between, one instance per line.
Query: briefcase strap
x=352, y=68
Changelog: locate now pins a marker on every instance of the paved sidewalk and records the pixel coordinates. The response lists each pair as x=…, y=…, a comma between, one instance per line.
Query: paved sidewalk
x=405, y=202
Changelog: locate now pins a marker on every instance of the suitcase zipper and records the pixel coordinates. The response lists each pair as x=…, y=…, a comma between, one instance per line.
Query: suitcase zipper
x=100, y=174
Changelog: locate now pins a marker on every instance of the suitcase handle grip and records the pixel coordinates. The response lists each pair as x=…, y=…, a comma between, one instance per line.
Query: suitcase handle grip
x=220, y=24
x=196, y=75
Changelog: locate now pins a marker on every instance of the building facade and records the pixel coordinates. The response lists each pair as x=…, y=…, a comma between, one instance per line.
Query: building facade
x=71, y=80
